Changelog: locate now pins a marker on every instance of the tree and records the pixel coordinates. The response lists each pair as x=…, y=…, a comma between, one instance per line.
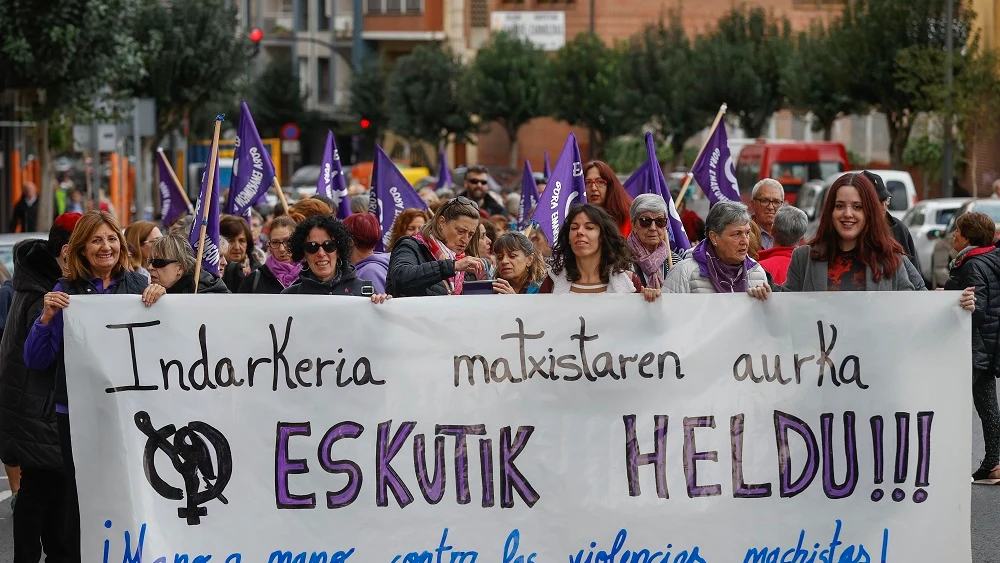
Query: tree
x=740, y=63
x=925, y=154
x=583, y=88
x=368, y=86
x=815, y=78
x=61, y=56
x=505, y=84
x=977, y=103
x=891, y=47
x=423, y=99
x=660, y=80
x=276, y=99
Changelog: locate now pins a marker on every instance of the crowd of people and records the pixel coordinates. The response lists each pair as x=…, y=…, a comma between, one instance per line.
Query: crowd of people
x=612, y=244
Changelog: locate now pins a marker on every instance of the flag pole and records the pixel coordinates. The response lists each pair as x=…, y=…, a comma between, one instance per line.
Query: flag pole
x=687, y=179
x=206, y=205
x=173, y=175
x=281, y=194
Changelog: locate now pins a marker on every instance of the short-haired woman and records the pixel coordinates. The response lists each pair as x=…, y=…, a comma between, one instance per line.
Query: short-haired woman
x=978, y=265
x=520, y=268
x=172, y=264
x=719, y=264
x=605, y=190
x=649, y=240
x=434, y=261
x=324, y=244
x=370, y=265
x=279, y=271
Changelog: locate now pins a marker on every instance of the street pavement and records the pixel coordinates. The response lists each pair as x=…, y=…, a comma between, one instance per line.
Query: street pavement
x=985, y=512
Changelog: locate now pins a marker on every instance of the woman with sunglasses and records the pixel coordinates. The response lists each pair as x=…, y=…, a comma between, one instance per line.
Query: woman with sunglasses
x=324, y=244
x=648, y=240
x=605, y=190
x=719, y=264
x=172, y=264
x=279, y=271
x=434, y=261
x=590, y=256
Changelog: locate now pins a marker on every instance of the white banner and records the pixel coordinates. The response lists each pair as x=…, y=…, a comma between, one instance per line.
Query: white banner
x=533, y=429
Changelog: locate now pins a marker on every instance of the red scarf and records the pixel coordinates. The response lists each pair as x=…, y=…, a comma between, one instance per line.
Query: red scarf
x=441, y=252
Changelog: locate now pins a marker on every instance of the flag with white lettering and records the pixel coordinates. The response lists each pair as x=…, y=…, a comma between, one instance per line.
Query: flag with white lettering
x=331, y=181
x=714, y=170
x=172, y=204
x=563, y=190
x=390, y=195
x=649, y=179
x=210, y=256
x=444, y=173
x=253, y=170
x=529, y=196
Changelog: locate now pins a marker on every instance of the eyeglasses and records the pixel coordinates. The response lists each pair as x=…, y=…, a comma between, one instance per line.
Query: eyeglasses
x=328, y=246
x=160, y=262
x=276, y=244
x=645, y=222
x=460, y=199
x=769, y=202
x=599, y=182
x=477, y=181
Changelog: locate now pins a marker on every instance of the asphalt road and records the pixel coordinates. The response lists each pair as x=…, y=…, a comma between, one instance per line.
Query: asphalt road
x=985, y=513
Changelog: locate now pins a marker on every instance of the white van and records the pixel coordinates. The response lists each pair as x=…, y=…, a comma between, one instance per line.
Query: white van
x=900, y=185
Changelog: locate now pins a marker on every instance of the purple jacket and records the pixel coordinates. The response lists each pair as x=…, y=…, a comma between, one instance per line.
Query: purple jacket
x=374, y=269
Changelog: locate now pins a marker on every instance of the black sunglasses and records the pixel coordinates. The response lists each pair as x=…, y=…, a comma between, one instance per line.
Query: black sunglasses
x=480, y=182
x=645, y=222
x=328, y=246
x=460, y=199
x=160, y=262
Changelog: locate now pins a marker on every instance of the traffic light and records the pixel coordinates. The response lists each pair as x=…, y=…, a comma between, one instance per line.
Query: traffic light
x=255, y=36
x=365, y=123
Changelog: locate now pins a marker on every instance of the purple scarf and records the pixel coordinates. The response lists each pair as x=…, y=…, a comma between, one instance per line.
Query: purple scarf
x=650, y=262
x=286, y=273
x=724, y=278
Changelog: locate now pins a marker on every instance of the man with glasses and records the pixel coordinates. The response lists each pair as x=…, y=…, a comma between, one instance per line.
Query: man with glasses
x=768, y=196
x=478, y=190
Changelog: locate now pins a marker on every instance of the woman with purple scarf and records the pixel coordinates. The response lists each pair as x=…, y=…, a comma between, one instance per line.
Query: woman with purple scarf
x=278, y=271
x=719, y=264
x=648, y=240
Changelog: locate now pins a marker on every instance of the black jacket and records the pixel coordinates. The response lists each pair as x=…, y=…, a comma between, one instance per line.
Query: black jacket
x=261, y=280
x=233, y=274
x=28, y=432
x=903, y=237
x=414, y=272
x=982, y=271
x=208, y=283
x=346, y=283
x=26, y=215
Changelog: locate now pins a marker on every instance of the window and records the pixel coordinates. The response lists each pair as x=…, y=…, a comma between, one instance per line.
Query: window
x=915, y=218
x=374, y=6
x=323, y=15
x=323, y=79
x=394, y=6
x=479, y=14
x=303, y=17
x=413, y=6
x=897, y=191
x=817, y=4
x=944, y=216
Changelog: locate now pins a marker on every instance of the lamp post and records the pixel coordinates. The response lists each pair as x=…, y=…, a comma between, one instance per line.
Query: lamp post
x=947, y=189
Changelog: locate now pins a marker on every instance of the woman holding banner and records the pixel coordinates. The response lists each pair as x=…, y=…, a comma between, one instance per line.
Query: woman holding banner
x=278, y=271
x=719, y=264
x=324, y=244
x=433, y=261
x=172, y=265
x=648, y=240
x=95, y=265
x=605, y=190
x=590, y=256
x=520, y=268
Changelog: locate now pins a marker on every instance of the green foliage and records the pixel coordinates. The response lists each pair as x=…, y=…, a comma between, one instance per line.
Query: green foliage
x=192, y=60
x=625, y=154
x=926, y=154
x=275, y=99
x=815, y=77
x=66, y=52
x=583, y=88
x=504, y=84
x=368, y=97
x=659, y=80
x=741, y=63
x=423, y=99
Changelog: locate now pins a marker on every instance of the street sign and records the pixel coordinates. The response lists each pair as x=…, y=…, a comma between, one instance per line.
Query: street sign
x=291, y=147
x=546, y=30
x=107, y=138
x=290, y=132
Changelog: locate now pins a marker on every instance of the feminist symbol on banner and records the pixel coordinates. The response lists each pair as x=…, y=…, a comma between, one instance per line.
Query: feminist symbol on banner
x=190, y=456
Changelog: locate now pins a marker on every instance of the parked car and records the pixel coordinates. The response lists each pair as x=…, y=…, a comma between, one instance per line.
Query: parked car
x=900, y=186
x=7, y=242
x=943, y=252
x=926, y=221
x=791, y=163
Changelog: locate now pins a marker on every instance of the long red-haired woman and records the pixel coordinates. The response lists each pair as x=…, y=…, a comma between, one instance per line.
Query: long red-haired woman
x=605, y=190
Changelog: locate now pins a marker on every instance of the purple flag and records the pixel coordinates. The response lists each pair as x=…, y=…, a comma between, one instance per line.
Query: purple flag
x=172, y=204
x=547, y=170
x=714, y=170
x=210, y=256
x=563, y=189
x=253, y=171
x=649, y=179
x=529, y=196
x=444, y=173
x=390, y=195
x=331, y=181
